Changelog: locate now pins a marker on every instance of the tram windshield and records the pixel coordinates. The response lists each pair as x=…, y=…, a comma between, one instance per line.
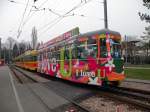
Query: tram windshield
x=115, y=49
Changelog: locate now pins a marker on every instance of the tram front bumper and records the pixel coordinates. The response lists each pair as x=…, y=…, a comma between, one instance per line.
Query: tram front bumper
x=115, y=76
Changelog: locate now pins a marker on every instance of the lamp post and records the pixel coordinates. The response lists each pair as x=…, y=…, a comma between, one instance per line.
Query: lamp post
x=105, y=14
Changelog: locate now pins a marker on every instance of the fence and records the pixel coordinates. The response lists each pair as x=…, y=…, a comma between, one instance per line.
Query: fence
x=138, y=59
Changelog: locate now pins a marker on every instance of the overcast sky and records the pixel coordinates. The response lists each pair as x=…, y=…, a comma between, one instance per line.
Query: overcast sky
x=122, y=17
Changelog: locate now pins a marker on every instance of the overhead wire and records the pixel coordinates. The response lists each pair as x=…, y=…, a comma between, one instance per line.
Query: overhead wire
x=82, y=15
x=51, y=10
x=74, y=8
x=21, y=3
x=28, y=17
x=19, y=30
x=56, y=20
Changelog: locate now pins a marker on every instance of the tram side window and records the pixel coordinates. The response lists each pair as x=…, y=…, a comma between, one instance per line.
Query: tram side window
x=57, y=55
x=34, y=58
x=66, y=54
x=74, y=53
x=92, y=48
x=40, y=57
x=87, y=49
x=53, y=55
x=103, y=48
x=48, y=55
x=82, y=53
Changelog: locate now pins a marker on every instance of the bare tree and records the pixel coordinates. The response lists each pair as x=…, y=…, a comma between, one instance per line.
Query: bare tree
x=145, y=16
x=15, y=51
x=34, y=38
x=22, y=47
x=146, y=38
x=10, y=42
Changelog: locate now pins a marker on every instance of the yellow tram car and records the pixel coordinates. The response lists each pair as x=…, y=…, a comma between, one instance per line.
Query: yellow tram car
x=27, y=60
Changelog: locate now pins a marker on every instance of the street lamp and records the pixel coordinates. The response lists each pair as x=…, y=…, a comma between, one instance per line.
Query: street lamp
x=105, y=14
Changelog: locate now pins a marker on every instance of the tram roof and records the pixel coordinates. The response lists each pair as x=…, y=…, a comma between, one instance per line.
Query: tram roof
x=102, y=31
x=97, y=32
x=31, y=52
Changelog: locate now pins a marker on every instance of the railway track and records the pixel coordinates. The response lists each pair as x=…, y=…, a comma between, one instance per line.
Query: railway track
x=136, y=97
x=134, y=93
x=73, y=106
x=21, y=77
x=142, y=82
x=131, y=96
x=24, y=79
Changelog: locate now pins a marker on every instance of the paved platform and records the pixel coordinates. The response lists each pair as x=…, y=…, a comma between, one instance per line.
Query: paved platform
x=8, y=96
x=138, y=80
x=33, y=97
x=139, y=67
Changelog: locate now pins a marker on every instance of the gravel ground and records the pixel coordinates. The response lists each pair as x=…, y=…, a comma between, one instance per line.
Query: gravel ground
x=103, y=104
x=135, y=85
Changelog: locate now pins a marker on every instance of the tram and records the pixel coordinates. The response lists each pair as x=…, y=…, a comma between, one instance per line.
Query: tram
x=27, y=60
x=90, y=58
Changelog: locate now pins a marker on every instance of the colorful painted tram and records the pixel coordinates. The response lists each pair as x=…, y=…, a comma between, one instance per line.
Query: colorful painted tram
x=89, y=58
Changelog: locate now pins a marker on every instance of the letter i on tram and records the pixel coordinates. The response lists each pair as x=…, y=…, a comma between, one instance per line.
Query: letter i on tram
x=89, y=58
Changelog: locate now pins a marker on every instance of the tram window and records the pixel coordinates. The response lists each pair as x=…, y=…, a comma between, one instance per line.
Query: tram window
x=57, y=55
x=92, y=50
x=115, y=49
x=44, y=55
x=103, y=48
x=91, y=41
x=29, y=58
x=48, y=55
x=74, y=53
x=38, y=57
x=34, y=58
x=66, y=54
x=41, y=57
x=82, y=53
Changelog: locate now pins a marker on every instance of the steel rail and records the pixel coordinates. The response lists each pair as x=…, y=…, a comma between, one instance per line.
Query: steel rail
x=125, y=96
x=127, y=100
x=17, y=77
x=58, y=92
x=137, y=82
